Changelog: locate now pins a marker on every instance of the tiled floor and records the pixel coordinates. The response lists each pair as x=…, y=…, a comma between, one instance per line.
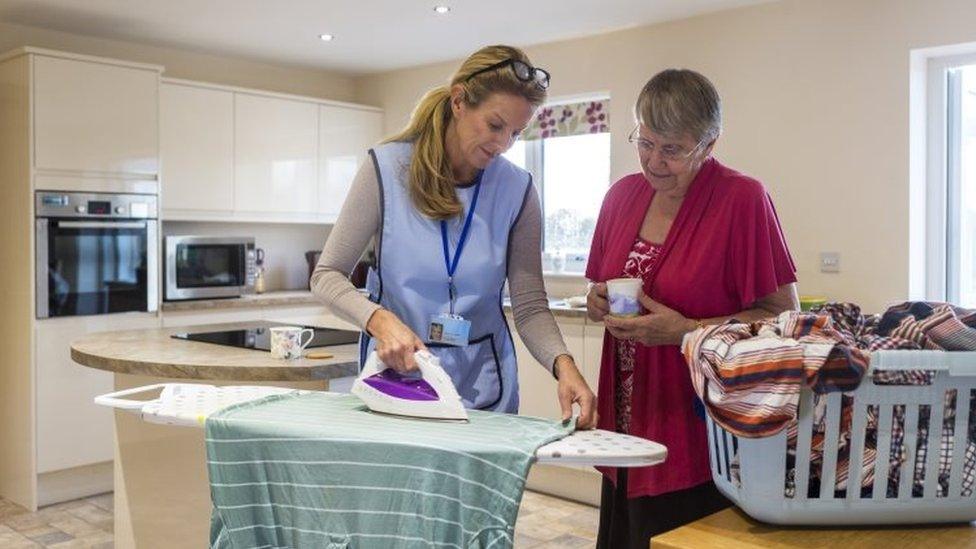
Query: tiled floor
x=84, y=523
x=544, y=522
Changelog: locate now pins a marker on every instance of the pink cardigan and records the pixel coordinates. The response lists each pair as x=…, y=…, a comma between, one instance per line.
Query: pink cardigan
x=724, y=251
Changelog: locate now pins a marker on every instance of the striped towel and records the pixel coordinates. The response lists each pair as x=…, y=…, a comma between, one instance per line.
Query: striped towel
x=319, y=470
x=749, y=375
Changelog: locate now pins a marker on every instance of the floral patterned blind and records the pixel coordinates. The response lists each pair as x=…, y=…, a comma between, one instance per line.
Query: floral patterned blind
x=569, y=119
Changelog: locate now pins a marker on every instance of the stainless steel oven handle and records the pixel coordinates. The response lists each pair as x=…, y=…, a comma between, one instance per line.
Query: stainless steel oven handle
x=42, y=305
x=102, y=224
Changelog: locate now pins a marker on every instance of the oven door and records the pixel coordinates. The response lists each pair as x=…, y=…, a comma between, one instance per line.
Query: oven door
x=205, y=267
x=95, y=267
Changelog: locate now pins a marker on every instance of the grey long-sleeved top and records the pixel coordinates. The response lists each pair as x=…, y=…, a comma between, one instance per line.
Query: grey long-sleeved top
x=359, y=223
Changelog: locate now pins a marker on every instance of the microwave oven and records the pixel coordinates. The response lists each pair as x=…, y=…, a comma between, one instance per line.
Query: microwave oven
x=207, y=267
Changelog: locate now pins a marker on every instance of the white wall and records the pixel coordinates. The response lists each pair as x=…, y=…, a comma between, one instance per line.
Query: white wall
x=816, y=99
x=284, y=246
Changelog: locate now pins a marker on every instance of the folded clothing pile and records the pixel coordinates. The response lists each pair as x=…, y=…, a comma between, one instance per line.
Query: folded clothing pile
x=749, y=377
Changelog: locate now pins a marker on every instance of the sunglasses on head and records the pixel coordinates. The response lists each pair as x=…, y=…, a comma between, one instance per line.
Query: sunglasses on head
x=523, y=71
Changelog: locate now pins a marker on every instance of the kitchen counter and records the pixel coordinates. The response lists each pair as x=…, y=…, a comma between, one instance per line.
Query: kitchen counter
x=160, y=473
x=155, y=353
x=733, y=529
x=559, y=307
x=267, y=299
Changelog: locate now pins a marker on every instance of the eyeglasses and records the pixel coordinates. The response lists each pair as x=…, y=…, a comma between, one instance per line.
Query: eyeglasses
x=670, y=153
x=523, y=71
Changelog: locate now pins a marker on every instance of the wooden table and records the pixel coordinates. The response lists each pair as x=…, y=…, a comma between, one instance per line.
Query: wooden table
x=733, y=529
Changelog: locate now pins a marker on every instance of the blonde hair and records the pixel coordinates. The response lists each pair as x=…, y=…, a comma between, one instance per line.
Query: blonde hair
x=430, y=180
x=679, y=101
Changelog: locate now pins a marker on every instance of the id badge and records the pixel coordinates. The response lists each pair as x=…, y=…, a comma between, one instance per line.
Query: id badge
x=448, y=329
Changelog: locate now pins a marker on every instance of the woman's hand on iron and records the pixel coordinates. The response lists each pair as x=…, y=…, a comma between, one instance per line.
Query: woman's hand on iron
x=395, y=342
x=573, y=389
x=660, y=326
x=597, y=305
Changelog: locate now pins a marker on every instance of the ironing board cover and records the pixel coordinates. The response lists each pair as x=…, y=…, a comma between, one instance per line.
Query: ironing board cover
x=318, y=470
x=190, y=404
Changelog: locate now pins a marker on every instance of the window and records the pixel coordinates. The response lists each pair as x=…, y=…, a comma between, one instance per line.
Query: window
x=567, y=150
x=961, y=185
x=942, y=198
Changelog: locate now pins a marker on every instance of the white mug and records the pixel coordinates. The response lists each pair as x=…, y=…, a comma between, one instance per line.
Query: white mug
x=286, y=341
x=623, y=294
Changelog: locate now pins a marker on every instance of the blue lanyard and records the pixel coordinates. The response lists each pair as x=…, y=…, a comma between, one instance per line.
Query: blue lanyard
x=452, y=265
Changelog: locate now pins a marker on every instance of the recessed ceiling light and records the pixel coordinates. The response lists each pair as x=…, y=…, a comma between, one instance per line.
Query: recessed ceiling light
x=442, y=9
x=326, y=37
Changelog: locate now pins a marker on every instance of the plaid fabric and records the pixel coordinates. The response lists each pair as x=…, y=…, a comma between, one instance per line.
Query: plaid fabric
x=749, y=378
x=938, y=326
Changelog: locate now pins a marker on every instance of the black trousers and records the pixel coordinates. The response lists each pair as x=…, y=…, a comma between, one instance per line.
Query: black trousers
x=630, y=523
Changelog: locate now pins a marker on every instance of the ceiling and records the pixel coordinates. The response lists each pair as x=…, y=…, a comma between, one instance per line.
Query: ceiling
x=370, y=35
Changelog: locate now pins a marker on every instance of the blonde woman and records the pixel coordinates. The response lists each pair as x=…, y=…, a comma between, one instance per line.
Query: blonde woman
x=453, y=221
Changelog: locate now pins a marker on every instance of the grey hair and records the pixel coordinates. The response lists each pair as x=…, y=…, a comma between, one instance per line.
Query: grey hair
x=680, y=101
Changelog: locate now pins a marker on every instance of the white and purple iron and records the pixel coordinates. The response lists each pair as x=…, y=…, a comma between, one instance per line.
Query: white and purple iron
x=431, y=396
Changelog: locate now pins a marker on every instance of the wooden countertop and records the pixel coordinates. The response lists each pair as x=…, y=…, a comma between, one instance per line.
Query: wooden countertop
x=559, y=307
x=268, y=299
x=733, y=529
x=155, y=353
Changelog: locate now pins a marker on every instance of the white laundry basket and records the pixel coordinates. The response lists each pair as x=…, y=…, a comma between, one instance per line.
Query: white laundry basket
x=763, y=466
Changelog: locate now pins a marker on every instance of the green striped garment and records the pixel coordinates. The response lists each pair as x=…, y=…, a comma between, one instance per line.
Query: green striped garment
x=320, y=470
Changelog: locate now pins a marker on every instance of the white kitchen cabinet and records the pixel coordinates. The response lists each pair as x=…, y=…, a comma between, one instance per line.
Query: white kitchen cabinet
x=72, y=430
x=275, y=155
x=537, y=386
x=592, y=353
x=244, y=155
x=94, y=116
x=345, y=136
x=197, y=149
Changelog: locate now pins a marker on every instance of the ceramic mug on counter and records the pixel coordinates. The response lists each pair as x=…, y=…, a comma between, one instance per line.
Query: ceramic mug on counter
x=286, y=341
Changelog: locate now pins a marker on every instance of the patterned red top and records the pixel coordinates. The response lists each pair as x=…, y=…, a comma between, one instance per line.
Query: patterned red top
x=641, y=260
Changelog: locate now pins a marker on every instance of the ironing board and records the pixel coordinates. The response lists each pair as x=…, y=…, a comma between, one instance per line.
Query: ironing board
x=189, y=404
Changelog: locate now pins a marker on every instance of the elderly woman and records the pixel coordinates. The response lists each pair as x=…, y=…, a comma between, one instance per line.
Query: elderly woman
x=707, y=244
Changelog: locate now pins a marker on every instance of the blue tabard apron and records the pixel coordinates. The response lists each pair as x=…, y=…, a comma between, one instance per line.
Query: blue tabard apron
x=411, y=281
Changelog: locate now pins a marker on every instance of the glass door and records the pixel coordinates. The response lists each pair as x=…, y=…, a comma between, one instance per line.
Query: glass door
x=93, y=267
x=210, y=265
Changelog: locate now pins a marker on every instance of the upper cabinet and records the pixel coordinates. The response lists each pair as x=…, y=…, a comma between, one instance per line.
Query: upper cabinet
x=92, y=116
x=276, y=147
x=345, y=136
x=243, y=155
x=196, y=144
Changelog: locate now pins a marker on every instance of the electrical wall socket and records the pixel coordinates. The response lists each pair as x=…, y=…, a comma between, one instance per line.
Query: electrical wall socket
x=829, y=262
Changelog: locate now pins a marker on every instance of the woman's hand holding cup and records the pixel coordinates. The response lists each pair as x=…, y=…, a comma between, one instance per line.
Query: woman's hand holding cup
x=597, y=305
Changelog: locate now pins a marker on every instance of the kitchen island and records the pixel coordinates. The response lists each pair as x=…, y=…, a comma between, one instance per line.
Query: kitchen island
x=162, y=494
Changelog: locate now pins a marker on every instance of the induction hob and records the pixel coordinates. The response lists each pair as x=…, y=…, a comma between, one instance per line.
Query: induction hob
x=259, y=337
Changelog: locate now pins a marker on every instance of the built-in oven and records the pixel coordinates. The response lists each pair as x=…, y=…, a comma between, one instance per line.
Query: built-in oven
x=207, y=267
x=96, y=253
